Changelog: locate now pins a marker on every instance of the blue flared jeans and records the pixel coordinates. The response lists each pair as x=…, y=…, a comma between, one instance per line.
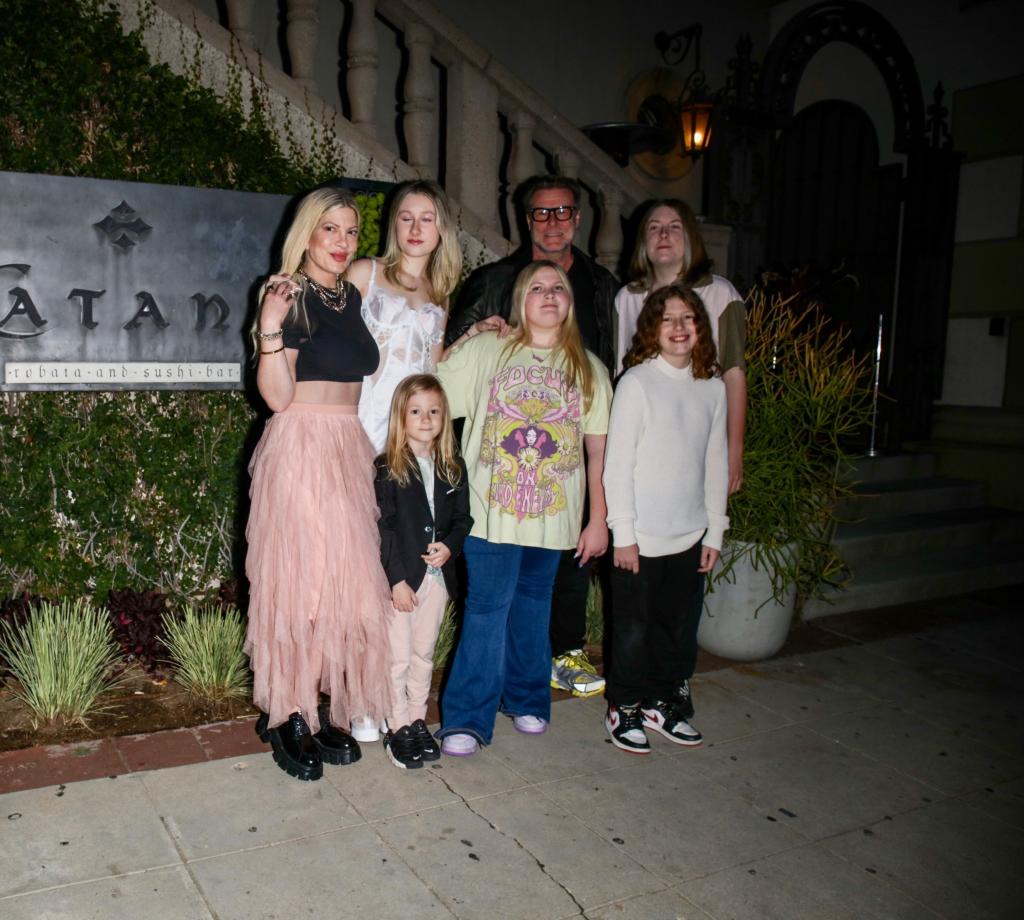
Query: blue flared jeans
x=504, y=655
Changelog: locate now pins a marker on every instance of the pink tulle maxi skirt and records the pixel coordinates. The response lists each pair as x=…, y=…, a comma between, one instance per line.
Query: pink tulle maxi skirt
x=319, y=604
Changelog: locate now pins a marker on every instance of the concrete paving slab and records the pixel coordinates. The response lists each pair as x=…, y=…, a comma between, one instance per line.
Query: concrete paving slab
x=378, y=789
x=998, y=639
x=350, y=873
x=725, y=714
x=777, y=888
x=160, y=894
x=89, y=830
x=246, y=802
x=662, y=905
x=591, y=868
x=949, y=857
x=815, y=786
x=791, y=689
x=574, y=744
x=1003, y=801
x=974, y=694
x=476, y=869
x=675, y=822
x=924, y=750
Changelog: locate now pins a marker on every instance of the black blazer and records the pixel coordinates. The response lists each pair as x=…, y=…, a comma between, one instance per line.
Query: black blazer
x=406, y=526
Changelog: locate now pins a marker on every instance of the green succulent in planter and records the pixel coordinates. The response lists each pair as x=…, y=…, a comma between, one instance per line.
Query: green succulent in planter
x=807, y=397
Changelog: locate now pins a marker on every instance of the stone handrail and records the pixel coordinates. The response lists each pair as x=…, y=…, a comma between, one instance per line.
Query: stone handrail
x=479, y=89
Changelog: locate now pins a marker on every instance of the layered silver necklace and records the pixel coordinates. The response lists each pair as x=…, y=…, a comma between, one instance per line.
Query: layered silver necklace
x=335, y=300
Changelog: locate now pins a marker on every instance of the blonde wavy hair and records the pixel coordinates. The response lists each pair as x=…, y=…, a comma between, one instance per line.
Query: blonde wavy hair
x=308, y=216
x=399, y=459
x=570, y=343
x=445, y=265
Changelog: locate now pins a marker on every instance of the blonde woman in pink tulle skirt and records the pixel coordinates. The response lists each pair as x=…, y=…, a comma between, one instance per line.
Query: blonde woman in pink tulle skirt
x=319, y=602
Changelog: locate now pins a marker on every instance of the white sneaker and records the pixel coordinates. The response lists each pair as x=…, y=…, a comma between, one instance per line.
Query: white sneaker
x=459, y=745
x=364, y=730
x=530, y=725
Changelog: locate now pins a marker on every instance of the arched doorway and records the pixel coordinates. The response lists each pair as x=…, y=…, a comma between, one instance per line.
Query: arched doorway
x=832, y=208
x=909, y=256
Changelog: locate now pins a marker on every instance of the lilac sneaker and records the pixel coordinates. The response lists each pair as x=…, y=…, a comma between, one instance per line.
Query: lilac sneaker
x=459, y=745
x=530, y=725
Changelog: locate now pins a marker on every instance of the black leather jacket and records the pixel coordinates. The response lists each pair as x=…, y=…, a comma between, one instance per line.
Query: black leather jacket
x=488, y=292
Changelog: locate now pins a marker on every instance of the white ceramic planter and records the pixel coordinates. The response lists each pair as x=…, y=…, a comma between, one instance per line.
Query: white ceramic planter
x=729, y=627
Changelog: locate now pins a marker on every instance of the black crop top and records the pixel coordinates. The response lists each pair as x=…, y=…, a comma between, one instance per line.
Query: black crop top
x=337, y=346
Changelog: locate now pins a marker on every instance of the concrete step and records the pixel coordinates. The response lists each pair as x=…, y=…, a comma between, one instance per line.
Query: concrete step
x=891, y=467
x=923, y=576
x=864, y=541
x=876, y=501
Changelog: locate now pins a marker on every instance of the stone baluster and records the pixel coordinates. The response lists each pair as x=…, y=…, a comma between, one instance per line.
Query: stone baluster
x=240, y=21
x=418, y=111
x=522, y=162
x=567, y=162
x=472, y=141
x=361, y=80
x=303, y=31
x=609, y=230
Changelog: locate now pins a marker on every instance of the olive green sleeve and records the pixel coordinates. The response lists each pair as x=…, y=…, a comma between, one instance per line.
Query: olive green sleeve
x=732, y=336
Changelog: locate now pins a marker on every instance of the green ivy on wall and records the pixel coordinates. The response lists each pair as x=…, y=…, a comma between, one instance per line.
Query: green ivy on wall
x=136, y=489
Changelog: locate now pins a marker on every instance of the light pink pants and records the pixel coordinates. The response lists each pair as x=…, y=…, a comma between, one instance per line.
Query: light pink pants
x=412, y=638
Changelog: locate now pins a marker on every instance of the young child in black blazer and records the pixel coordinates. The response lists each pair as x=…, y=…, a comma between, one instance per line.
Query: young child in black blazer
x=421, y=486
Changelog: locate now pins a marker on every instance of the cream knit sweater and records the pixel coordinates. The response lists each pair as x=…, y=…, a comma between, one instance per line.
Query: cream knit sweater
x=666, y=467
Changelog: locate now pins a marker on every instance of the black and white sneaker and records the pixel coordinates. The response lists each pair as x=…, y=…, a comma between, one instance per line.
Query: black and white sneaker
x=684, y=700
x=403, y=749
x=665, y=717
x=429, y=748
x=625, y=724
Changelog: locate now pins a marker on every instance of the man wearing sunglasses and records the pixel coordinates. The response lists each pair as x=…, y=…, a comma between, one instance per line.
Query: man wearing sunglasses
x=552, y=209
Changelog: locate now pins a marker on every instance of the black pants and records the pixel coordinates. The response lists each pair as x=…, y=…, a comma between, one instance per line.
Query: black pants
x=569, y=604
x=654, y=626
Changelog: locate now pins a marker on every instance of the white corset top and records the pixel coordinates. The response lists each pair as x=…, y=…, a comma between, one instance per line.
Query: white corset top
x=405, y=336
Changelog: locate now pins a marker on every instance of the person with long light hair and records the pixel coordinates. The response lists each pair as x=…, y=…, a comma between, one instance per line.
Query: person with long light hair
x=536, y=412
x=405, y=296
x=423, y=496
x=318, y=597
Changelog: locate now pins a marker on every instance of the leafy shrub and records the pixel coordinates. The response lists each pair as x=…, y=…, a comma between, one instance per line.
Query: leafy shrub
x=128, y=488
x=446, y=637
x=62, y=658
x=137, y=618
x=205, y=649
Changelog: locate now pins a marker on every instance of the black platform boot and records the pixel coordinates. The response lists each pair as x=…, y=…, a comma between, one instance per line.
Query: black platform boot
x=336, y=746
x=295, y=751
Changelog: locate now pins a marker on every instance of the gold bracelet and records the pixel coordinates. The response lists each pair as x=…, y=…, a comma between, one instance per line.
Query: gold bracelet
x=266, y=336
x=274, y=352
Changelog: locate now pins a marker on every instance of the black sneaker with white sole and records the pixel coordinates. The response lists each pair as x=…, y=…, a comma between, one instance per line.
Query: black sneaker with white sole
x=663, y=716
x=403, y=749
x=429, y=748
x=625, y=724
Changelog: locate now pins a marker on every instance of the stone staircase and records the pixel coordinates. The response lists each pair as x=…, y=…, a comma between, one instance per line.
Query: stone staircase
x=911, y=535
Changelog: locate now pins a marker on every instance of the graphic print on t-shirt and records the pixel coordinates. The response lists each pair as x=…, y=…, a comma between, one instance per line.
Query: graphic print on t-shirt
x=531, y=440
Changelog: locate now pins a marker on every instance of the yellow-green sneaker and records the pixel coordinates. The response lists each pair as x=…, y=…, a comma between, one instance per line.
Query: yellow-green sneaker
x=573, y=671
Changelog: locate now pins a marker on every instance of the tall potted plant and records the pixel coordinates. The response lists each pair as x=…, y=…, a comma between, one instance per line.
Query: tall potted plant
x=807, y=397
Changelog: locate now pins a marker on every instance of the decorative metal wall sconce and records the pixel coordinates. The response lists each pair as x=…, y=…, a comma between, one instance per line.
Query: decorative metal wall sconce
x=689, y=115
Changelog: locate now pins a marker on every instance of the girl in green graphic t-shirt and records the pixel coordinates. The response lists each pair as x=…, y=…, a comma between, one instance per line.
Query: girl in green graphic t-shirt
x=536, y=410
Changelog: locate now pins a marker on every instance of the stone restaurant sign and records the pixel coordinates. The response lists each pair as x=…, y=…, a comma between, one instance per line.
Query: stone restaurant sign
x=126, y=285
